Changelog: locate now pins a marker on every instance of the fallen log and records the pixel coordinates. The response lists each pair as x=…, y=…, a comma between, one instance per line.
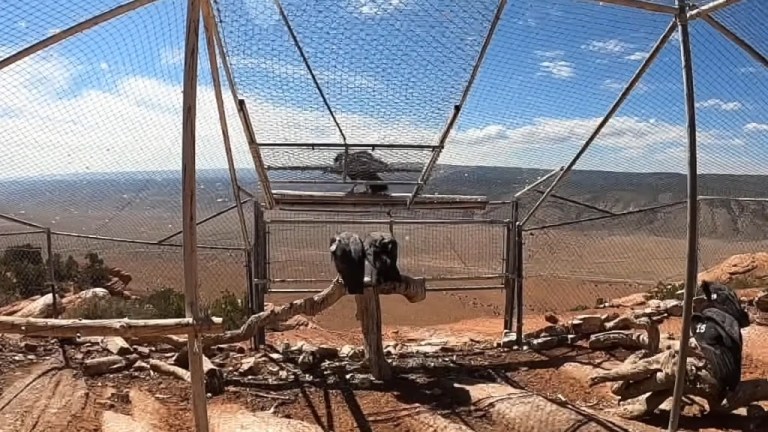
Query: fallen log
x=413, y=289
x=214, y=377
x=120, y=327
x=111, y=364
x=215, y=381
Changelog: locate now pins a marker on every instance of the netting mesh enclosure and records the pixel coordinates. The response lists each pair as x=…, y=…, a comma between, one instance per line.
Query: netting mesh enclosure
x=559, y=127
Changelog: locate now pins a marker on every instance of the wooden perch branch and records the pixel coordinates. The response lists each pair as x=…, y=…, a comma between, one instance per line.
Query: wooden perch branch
x=648, y=382
x=413, y=289
x=120, y=327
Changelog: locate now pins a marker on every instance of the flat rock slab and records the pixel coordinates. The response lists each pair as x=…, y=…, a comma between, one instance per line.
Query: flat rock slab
x=44, y=399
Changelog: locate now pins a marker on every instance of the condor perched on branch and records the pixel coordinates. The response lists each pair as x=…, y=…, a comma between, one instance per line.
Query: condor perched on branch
x=381, y=258
x=362, y=166
x=717, y=330
x=348, y=256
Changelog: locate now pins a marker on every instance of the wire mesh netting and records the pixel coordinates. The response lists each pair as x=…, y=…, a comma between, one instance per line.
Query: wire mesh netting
x=90, y=133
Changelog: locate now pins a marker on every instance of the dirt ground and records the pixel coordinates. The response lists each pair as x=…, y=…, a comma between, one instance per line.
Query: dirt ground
x=428, y=395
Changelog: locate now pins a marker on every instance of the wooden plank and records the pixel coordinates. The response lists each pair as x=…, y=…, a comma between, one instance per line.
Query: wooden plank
x=284, y=199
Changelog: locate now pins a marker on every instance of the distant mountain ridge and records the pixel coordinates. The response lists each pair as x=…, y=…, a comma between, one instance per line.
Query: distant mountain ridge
x=158, y=192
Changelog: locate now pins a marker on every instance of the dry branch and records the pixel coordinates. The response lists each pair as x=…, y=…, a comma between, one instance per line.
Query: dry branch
x=120, y=327
x=413, y=289
x=214, y=377
x=109, y=364
x=648, y=382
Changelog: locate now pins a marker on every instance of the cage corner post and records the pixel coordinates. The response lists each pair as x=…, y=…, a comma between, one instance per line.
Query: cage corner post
x=189, y=214
x=510, y=271
x=259, y=278
x=691, y=269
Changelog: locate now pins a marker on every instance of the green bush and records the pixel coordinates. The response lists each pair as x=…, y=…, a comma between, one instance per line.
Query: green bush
x=24, y=272
x=664, y=291
x=165, y=302
x=231, y=309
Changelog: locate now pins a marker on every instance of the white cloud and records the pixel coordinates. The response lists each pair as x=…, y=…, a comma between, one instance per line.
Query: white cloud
x=618, y=85
x=559, y=69
x=104, y=66
x=555, y=66
x=284, y=68
x=378, y=7
x=136, y=125
x=550, y=54
x=637, y=56
x=611, y=46
x=756, y=127
x=720, y=105
x=22, y=24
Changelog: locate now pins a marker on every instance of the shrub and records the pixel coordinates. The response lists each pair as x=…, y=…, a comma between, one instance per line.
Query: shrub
x=231, y=309
x=664, y=291
x=165, y=302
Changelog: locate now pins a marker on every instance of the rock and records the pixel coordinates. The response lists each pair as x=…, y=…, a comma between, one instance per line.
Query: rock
x=654, y=304
x=673, y=307
x=116, y=345
x=40, y=308
x=140, y=366
x=359, y=380
x=352, y=352
x=250, y=366
x=545, y=343
x=633, y=300
x=241, y=349
x=587, y=324
x=276, y=357
x=508, y=339
x=761, y=302
x=294, y=323
x=141, y=351
x=551, y=318
x=76, y=300
x=307, y=360
x=31, y=346
x=325, y=352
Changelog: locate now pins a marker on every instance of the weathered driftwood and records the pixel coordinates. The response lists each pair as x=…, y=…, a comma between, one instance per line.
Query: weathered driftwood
x=214, y=377
x=109, y=364
x=617, y=336
x=369, y=314
x=647, y=382
x=413, y=289
x=122, y=327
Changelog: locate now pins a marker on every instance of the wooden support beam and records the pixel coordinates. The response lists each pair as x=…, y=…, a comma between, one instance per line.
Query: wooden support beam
x=710, y=8
x=643, y=5
x=73, y=30
x=124, y=328
x=189, y=214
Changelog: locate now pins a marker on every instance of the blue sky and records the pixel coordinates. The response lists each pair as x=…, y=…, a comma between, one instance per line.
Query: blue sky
x=109, y=99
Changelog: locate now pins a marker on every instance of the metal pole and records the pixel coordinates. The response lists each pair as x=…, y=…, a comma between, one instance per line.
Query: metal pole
x=611, y=112
x=510, y=269
x=260, y=268
x=52, y=281
x=519, y=284
x=693, y=221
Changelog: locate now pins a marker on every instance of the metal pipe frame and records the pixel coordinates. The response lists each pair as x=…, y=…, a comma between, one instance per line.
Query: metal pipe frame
x=709, y=8
x=326, y=168
x=19, y=221
x=355, y=145
x=18, y=233
x=356, y=182
x=428, y=168
x=245, y=119
x=538, y=182
x=644, y=5
x=519, y=281
x=691, y=270
x=576, y=202
x=280, y=221
x=210, y=39
x=611, y=112
x=73, y=30
x=510, y=267
x=429, y=289
x=597, y=218
x=733, y=37
x=426, y=278
x=319, y=88
x=141, y=242
x=205, y=219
